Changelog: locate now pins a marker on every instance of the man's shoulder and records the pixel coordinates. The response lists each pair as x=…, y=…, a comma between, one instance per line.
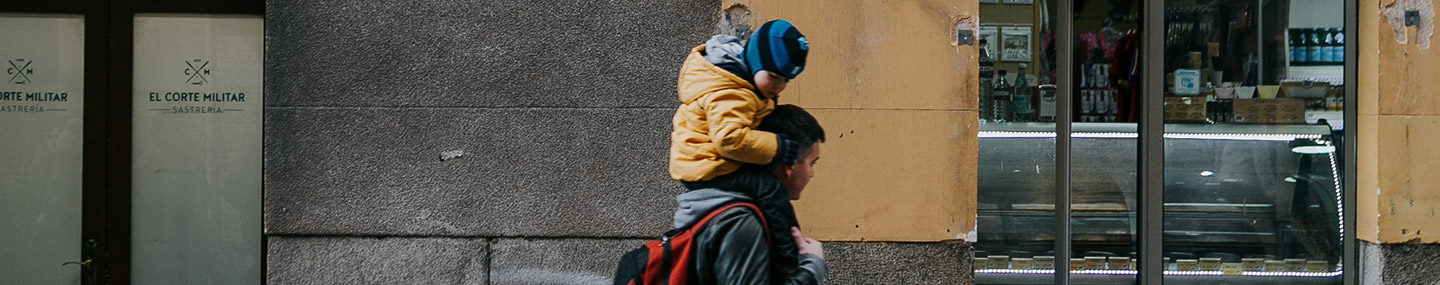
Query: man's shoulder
x=737, y=224
x=739, y=218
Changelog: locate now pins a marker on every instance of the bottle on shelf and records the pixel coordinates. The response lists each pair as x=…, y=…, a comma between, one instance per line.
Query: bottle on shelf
x=1335, y=99
x=1327, y=52
x=987, y=77
x=1000, y=105
x=1315, y=47
x=1298, y=48
x=1337, y=55
x=1021, y=97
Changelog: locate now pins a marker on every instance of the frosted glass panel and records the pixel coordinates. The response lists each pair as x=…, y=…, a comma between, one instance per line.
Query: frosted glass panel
x=41, y=137
x=197, y=137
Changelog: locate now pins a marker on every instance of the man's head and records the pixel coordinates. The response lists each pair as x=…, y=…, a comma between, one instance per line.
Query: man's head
x=801, y=127
x=775, y=54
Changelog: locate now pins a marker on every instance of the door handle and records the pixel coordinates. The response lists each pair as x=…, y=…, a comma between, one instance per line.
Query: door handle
x=90, y=255
x=85, y=263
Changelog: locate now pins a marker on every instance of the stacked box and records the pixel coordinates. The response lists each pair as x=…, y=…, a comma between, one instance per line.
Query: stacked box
x=1279, y=111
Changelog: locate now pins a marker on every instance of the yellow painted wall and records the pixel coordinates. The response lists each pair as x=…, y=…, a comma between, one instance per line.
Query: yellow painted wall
x=1399, y=129
x=898, y=101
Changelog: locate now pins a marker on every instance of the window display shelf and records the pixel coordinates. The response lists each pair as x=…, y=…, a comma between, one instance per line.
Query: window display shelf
x=1232, y=192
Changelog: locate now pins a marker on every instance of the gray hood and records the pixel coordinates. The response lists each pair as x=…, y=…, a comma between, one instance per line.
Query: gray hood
x=695, y=204
x=724, y=51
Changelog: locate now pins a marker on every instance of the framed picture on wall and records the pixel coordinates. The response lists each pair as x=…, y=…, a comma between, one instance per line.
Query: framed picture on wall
x=989, y=1
x=1019, y=2
x=1015, y=43
x=991, y=35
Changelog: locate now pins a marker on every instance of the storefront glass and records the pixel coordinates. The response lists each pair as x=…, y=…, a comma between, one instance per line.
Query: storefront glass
x=1250, y=182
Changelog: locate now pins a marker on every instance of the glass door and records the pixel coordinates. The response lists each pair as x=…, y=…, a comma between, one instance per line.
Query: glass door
x=197, y=111
x=42, y=127
x=1251, y=190
x=130, y=143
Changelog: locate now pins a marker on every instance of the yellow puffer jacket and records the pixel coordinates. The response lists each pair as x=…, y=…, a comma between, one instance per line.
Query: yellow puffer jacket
x=714, y=127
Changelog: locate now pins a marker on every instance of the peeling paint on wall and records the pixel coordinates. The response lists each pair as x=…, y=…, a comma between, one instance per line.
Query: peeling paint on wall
x=964, y=24
x=1395, y=14
x=736, y=21
x=448, y=155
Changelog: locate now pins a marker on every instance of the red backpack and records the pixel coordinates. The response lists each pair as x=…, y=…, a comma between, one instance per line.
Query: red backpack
x=668, y=260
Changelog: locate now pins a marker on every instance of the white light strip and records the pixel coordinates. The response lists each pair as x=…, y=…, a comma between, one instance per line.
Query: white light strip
x=1167, y=272
x=1106, y=135
x=1244, y=137
x=1016, y=135
x=1120, y=135
x=1339, y=200
x=1293, y=274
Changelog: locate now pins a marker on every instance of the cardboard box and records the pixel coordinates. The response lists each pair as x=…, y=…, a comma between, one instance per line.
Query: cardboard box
x=1232, y=269
x=1180, y=109
x=1253, y=264
x=1210, y=264
x=1021, y=263
x=1304, y=89
x=1095, y=262
x=1119, y=263
x=999, y=262
x=1187, y=264
x=1279, y=111
x=1274, y=265
x=1295, y=264
x=1044, y=262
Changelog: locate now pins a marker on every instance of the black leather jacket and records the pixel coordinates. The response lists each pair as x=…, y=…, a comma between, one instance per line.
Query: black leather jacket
x=732, y=249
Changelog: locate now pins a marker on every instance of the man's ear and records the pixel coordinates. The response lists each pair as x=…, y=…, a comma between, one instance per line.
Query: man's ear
x=788, y=169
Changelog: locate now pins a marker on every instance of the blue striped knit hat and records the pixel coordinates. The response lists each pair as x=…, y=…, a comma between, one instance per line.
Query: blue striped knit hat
x=776, y=47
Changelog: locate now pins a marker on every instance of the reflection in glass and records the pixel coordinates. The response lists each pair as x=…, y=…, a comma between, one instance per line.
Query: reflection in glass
x=1267, y=203
x=1016, y=233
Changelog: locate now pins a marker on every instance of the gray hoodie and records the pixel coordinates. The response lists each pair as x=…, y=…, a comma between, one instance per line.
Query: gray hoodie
x=726, y=51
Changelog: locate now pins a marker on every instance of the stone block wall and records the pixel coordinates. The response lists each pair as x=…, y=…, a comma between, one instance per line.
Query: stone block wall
x=561, y=110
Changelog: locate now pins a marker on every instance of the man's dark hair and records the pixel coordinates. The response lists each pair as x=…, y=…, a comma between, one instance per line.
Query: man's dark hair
x=796, y=123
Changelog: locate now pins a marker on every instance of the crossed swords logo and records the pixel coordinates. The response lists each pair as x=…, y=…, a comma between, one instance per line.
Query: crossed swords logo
x=20, y=71
x=198, y=72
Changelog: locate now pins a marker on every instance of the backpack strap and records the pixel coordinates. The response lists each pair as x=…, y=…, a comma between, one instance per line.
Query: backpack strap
x=716, y=212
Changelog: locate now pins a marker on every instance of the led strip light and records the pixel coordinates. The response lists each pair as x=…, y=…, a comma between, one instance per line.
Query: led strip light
x=1104, y=272
x=1238, y=137
x=1339, y=201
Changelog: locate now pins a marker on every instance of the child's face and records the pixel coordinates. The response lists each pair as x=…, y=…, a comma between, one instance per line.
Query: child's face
x=770, y=83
